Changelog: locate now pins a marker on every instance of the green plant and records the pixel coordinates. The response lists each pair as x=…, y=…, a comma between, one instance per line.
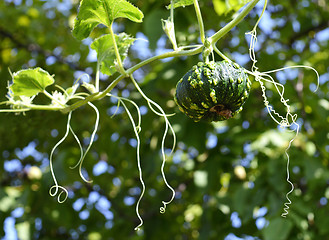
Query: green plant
x=112, y=48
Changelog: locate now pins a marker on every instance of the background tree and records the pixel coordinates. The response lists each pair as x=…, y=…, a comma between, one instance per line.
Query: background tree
x=229, y=176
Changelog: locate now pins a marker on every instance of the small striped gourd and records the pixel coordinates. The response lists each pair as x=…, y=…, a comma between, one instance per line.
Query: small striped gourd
x=213, y=91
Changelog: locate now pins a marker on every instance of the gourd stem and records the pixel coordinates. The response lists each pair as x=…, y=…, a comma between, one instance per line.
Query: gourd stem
x=221, y=54
x=214, y=38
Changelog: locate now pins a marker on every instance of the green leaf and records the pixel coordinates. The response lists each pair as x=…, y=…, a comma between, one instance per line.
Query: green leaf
x=30, y=82
x=105, y=50
x=95, y=12
x=278, y=229
x=322, y=221
x=23, y=230
x=8, y=198
x=200, y=178
x=223, y=7
x=152, y=26
x=71, y=90
x=271, y=138
x=181, y=3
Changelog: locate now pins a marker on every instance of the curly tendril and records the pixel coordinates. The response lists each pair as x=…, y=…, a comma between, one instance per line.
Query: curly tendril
x=57, y=187
x=83, y=155
x=137, y=129
x=168, y=126
x=289, y=119
x=138, y=163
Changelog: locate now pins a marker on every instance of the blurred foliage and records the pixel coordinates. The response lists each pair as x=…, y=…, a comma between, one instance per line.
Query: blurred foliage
x=230, y=176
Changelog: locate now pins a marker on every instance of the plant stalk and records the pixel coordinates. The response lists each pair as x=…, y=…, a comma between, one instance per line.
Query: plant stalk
x=200, y=21
x=176, y=53
x=116, y=51
x=97, y=77
x=174, y=42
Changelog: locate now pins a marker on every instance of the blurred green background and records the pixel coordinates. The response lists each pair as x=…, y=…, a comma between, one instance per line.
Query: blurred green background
x=230, y=177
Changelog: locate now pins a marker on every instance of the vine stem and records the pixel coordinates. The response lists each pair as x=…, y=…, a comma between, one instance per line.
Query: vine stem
x=29, y=107
x=116, y=51
x=97, y=77
x=200, y=21
x=174, y=42
x=176, y=53
x=214, y=38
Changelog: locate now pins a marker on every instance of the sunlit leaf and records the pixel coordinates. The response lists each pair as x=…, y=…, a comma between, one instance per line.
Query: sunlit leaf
x=95, y=12
x=201, y=178
x=223, y=7
x=23, y=229
x=8, y=196
x=181, y=3
x=105, y=50
x=30, y=82
x=192, y=212
x=271, y=138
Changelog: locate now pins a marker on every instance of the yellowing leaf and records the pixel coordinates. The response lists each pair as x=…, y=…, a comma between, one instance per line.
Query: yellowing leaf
x=23, y=21
x=6, y=55
x=33, y=12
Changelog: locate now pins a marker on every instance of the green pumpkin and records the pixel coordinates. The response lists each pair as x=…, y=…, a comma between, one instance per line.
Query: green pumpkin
x=213, y=91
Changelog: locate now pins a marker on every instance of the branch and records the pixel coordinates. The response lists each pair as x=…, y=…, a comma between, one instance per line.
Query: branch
x=33, y=47
x=305, y=32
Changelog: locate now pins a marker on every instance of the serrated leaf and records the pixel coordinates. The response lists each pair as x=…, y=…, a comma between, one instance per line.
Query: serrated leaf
x=30, y=82
x=95, y=12
x=181, y=3
x=223, y=7
x=105, y=50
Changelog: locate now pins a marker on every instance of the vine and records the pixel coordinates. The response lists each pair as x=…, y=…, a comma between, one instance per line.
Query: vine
x=111, y=51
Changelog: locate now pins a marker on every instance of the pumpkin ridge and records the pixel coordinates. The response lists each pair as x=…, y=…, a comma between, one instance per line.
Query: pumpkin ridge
x=213, y=91
x=241, y=95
